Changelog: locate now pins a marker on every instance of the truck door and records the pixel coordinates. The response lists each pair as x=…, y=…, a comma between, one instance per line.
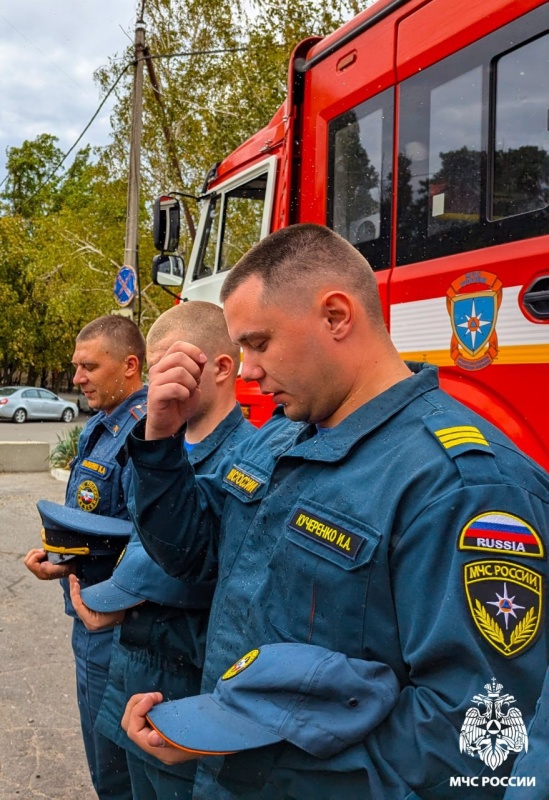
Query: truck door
x=234, y=216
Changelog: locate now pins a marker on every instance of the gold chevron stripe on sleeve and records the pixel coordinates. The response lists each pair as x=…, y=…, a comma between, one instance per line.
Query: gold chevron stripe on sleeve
x=461, y=434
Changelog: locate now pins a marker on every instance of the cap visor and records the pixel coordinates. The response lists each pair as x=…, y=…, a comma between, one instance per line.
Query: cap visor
x=199, y=725
x=59, y=558
x=106, y=596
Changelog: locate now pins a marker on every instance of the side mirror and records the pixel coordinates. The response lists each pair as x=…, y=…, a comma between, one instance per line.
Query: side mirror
x=166, y=222
x=168, y=270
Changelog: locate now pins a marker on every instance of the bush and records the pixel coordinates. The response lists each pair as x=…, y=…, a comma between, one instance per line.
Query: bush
x=65, y=449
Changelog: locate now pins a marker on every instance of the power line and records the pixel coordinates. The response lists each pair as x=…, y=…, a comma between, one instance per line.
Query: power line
x=113, y=87
x=67, y=154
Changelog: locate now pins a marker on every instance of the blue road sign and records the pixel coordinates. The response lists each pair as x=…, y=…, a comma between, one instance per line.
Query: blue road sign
x=125, y=285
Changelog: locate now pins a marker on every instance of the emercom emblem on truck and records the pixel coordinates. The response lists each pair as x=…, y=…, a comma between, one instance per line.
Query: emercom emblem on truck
x=473, y=301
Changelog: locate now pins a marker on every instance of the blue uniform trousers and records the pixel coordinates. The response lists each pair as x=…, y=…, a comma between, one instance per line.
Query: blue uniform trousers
x=150, y=783
x=99, y=484
x=107, y=761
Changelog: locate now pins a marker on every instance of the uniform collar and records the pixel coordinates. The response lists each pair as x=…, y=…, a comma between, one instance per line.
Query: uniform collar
x=334, y=444
x=207, y=446
x=118, y=418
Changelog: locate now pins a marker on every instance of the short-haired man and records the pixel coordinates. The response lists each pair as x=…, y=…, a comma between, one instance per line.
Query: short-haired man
x=162, y=640
x=108, y=361
x=387, y=523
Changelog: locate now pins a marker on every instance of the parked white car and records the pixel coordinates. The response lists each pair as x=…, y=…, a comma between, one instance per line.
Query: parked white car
x=20, y=403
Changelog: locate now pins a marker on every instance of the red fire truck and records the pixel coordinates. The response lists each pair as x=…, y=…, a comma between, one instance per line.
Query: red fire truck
x=419, y=131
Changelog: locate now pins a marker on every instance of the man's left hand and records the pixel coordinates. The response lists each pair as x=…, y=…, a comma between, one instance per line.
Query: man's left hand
x=139, y=731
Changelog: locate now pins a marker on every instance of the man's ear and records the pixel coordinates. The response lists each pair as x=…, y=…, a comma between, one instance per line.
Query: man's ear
x=338, y=311
x=223, y=367
x=132, y=366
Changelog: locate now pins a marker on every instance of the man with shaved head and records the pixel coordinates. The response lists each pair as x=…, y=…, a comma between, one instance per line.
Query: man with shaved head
x=382, y=522
x=161, y=640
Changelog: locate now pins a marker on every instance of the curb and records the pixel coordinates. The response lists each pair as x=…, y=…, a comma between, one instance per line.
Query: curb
x=24, y=456
x=60, y=474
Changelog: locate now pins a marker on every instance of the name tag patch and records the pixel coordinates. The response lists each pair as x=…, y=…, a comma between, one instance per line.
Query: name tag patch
x=243, y=480
x=94, y=466
x=327, y=533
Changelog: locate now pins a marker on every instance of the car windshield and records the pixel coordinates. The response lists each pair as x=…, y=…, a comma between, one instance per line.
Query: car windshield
x=7, y=390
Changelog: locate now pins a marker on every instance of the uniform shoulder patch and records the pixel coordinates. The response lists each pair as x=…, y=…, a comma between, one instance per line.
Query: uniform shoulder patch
x=455, y=436
x=502, y=533
x=505, y=600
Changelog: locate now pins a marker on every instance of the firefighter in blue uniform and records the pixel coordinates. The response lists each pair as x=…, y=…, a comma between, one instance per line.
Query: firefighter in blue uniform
x=385, y=521
x=108, y=360
x=160, y=644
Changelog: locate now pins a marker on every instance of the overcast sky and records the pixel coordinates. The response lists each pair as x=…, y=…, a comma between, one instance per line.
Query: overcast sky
x=49, y=50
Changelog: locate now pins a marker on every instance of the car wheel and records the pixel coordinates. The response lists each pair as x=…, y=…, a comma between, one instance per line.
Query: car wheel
x=20, y=415
x=67, y=415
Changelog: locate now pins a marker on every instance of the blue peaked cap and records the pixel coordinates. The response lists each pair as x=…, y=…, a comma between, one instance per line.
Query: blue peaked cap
x=318, y=700
x=70, y=532
x=137, y=578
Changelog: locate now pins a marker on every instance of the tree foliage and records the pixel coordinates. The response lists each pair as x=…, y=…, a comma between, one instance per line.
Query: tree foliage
x=221, y=71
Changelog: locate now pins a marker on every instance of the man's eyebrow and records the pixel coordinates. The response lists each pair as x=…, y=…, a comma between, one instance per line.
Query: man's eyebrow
x=247, y=335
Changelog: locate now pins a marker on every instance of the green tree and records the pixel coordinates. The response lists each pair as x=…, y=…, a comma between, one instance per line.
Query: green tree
x=211, y=101
x=62, y=227
x=28, y=167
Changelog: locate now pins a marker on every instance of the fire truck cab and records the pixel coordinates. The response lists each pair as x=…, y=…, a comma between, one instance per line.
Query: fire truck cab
x=419, y=132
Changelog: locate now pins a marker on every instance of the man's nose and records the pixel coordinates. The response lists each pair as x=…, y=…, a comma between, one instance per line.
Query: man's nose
x=251, y=370
x=79, y=376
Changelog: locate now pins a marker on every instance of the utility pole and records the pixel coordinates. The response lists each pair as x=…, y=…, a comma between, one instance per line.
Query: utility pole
x=131, y=253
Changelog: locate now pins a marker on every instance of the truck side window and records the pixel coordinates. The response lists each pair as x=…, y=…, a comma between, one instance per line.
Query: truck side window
x=359, y=177
x=242, y=218
x=233, y=225
x=521, y=152
x=205, y=262
x=440, y=160
x=473, y=164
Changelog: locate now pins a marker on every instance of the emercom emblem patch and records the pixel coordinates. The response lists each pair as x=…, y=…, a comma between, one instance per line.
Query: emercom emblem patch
x=87, y=496
x=505, y=600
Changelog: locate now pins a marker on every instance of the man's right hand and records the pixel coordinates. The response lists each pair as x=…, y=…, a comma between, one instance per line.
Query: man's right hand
x=93, y=620
x=36, y=561
x=173, y=390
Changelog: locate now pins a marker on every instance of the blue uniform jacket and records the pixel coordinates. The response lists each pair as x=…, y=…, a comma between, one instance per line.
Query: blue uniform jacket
x=98, y=483
x=161, y=648
x=414, y=533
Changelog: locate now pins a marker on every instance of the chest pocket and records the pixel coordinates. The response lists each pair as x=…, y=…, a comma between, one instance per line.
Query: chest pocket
x=95, y=485
x=322, y=567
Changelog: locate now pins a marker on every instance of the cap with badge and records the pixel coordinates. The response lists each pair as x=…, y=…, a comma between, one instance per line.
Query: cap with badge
x=68, y=533
x=319, y=700
x=136, y=578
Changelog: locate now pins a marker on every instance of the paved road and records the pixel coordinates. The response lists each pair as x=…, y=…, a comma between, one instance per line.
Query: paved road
x=41, y=751
x=38, y=432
